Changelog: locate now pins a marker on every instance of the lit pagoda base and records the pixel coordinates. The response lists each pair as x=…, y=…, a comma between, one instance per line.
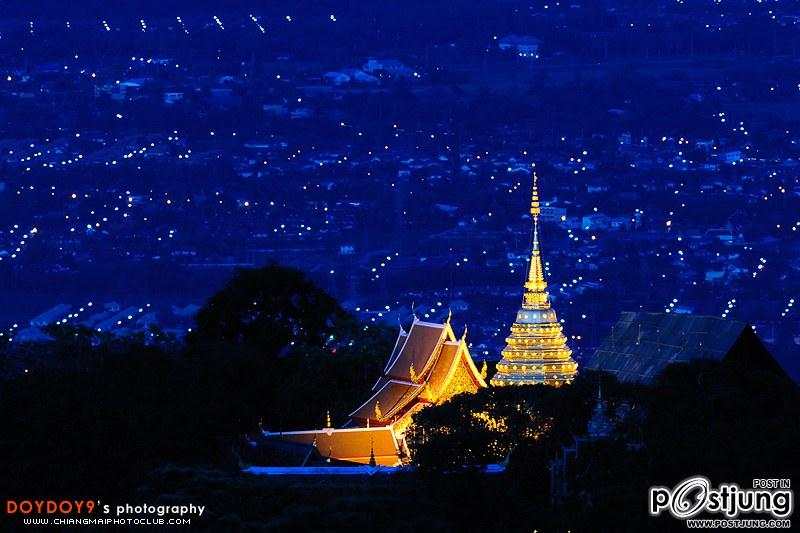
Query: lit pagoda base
x=531, y=373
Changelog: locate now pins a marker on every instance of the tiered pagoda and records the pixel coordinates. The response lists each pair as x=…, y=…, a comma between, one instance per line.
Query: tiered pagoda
x=428, y=365
x=536, y=350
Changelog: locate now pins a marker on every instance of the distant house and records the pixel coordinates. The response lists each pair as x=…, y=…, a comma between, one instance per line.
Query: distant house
x=720, y=234
x=392, y=67
x=115, y=90
x=732, y=157
x=640, y=345
x=275, y=109
x=50, y=316
x=705, y=145
x=551, y=213
x=172, y=97
x=596, y=221
x=302, y=112
x=336, y=78
x=523, y=45
x=359, y=76
x=621, y=223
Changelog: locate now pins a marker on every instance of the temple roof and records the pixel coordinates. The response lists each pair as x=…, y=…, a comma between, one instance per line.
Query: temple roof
x=433, y=352
x=391, y=397
x=642, y=344
x=349, y=444
x=418, y=349
x=442, y=367
x=398, y=345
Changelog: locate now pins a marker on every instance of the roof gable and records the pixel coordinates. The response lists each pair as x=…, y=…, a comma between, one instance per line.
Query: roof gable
x=418, y=349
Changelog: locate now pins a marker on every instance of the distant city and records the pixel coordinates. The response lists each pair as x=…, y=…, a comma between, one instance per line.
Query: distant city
x=140, y=167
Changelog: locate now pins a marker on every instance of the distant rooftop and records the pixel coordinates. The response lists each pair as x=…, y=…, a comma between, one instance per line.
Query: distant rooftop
x=641, y=345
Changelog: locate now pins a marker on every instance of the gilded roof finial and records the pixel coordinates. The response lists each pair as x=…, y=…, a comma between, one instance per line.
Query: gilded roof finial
x=484, y=370
x=378, y=414
x=449, y=314
x=412, y=310
x=536, y=296
x=328, y=419
x=372, y=461
x=464, y=335
x=412, y=373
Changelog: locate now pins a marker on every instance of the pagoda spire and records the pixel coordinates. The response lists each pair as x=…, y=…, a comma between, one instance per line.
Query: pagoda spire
x=536, y=296
x=537, y=350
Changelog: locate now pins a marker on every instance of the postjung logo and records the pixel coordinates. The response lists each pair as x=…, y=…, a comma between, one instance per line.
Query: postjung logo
x=695, y=495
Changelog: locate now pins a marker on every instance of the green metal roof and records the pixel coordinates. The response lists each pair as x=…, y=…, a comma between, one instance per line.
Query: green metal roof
x=640, y=345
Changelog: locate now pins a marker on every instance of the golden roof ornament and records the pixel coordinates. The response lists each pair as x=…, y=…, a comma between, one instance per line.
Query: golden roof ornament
x=378, y=414
x=428, y=391
x=412, y=373
x=372, y=461
x=328, y=419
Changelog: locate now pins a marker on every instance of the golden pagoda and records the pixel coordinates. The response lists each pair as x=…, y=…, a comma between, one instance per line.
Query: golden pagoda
x=536, y=351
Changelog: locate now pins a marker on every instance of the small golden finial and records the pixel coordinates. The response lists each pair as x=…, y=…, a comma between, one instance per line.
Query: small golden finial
x=328, y=419
x=484, y=370
x=367, y=423
x=428, y=391
x=412, y=373
x=535, y=209
x=449, y=314
x=412, y=310
x=464, y=335
x=378, y=414
x=372, y=461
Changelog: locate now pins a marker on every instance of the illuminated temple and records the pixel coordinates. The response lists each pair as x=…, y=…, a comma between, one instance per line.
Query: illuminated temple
x=536, y=351
x=428, y=365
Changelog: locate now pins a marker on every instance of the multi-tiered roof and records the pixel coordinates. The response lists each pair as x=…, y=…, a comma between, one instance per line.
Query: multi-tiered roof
x=536, y=350
x=428, y=365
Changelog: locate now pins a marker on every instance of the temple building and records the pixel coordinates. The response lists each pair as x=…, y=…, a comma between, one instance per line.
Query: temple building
x=600, y=426
x=640, y=345
x=536, y=350
x=428, y=366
